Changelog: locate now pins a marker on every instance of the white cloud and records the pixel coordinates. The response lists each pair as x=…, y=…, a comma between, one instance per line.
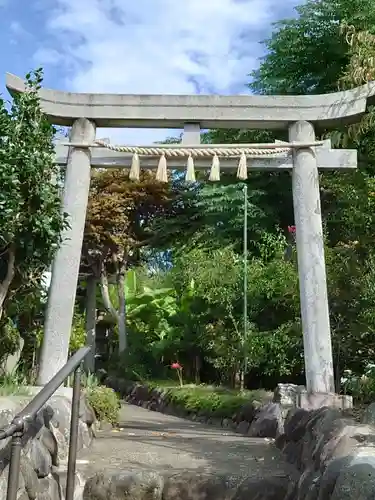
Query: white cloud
x=17, y=32
x=156, y=46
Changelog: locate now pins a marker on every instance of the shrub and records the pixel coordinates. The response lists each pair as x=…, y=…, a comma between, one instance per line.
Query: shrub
x=10, y=339
x=89, y=381
x=210, y=400
x=105, y=403
x=361, y=387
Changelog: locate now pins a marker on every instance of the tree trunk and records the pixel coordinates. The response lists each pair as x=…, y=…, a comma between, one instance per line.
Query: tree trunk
x=90, y=323
x=105, y=294
x=122, y=334
x=5, y=284
x=242, y=380
x=197, y=369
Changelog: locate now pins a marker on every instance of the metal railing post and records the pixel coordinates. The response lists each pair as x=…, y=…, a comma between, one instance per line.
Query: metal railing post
x=14, y=463
x=16, y=429
x=71, y=473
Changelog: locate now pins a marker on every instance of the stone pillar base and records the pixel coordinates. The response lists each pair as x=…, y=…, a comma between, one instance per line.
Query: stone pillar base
x=66, y=392
x=296, y=396
x=314, y=401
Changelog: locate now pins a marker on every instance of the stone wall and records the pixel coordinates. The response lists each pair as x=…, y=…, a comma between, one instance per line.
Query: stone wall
x=333, y=453
x=44, y=448
x=180, y=485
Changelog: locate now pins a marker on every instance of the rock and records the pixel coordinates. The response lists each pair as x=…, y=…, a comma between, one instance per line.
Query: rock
x=215, y=421
x=62, y=445
x=4, y=482
x=40, y=458
x=243, y=427
x=195, y=486
x=270, y=488
x=268, y=421
x=124, y=486
x=22, y=495
x=33, y=428
x=79, y=483
x=247, y=412
x=368, y=416
x=293, y=452
x=30, y=478
x=339, y=438
x=225, y=422
x=86, y=413
x=295, y=424
x=330, y=475
x=317, y=423
x=49, y=441
x=48, y=489
x=357, y=479
x=140, y=393
x=292, y=492
x=308, y=484
x=57, y=412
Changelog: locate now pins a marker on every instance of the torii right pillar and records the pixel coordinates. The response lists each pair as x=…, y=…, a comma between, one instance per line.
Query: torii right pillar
x=320, y=385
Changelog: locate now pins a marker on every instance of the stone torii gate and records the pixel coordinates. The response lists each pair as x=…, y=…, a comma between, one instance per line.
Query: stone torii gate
x=303, y=155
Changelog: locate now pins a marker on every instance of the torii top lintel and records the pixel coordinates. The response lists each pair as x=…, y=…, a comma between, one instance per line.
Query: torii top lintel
x=210, y=111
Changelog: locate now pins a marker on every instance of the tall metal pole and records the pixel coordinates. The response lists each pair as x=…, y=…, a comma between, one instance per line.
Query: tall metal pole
x=245, y=283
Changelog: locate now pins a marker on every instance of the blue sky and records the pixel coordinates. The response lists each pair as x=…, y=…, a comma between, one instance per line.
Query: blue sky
x=141, y=46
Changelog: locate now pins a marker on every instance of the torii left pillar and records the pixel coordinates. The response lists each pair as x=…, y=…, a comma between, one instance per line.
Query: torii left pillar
x=65, y=270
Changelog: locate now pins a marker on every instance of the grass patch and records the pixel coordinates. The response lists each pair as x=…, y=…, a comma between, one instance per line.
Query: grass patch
x=12, y=384
x=209, y=400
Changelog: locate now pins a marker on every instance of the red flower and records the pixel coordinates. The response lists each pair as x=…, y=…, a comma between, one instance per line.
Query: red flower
x=291, y=229
x=176, y=366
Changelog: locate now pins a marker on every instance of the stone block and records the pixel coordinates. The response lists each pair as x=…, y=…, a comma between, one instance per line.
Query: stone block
x=287, y=394
x=313, y=401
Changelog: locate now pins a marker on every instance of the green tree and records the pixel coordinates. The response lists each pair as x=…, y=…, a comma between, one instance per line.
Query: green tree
x=119, y=216
x=30, y=219
x=309, y=53
x=328, y=46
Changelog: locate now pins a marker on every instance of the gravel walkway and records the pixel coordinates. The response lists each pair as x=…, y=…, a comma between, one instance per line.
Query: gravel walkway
x=151, y=440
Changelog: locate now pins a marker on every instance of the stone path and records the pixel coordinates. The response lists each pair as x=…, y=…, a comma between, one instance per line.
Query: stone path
x=151, y=440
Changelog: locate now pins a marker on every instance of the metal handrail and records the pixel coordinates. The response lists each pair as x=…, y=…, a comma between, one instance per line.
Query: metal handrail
x=18, y=426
